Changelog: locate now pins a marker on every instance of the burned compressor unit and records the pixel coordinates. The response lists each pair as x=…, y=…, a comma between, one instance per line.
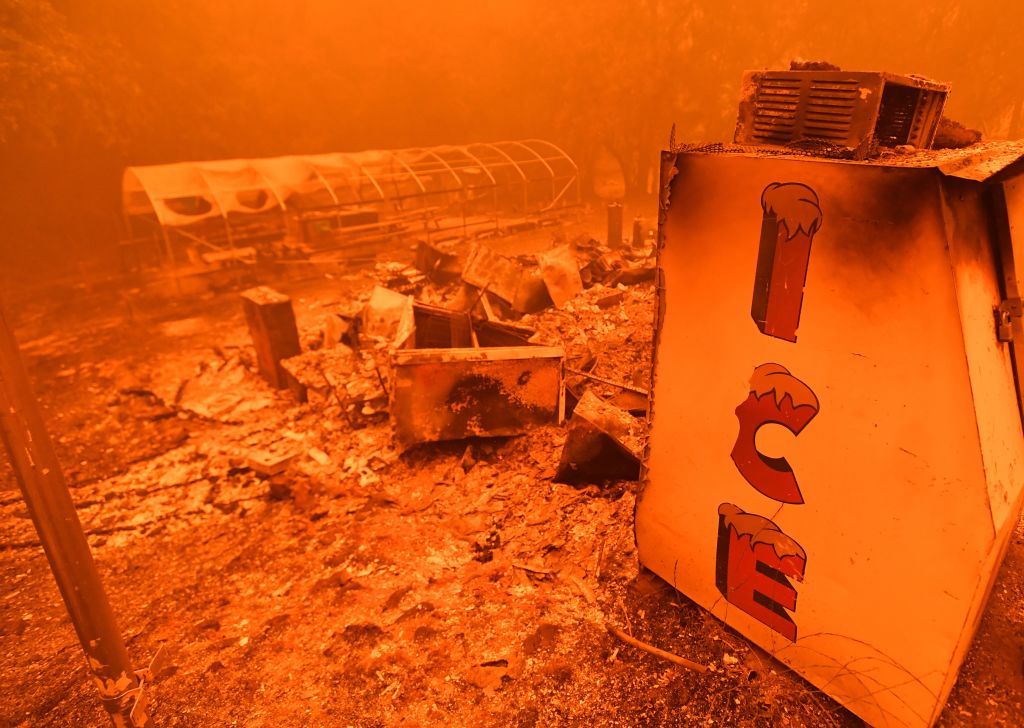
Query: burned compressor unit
x=850, y=112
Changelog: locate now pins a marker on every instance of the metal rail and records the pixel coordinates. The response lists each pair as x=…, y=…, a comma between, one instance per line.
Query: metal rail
x=60, y=532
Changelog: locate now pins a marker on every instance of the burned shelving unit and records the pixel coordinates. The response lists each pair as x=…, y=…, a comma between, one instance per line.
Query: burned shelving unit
x=853, y=112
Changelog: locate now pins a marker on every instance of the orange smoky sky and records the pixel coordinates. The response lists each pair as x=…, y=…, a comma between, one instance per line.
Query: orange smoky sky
x=90, y=86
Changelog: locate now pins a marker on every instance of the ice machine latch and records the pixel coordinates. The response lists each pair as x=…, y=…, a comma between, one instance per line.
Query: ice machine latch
x=1008, y=310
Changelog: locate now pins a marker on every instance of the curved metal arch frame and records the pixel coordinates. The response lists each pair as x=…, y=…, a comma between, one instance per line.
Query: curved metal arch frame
x=558, y=149
x=535, y=153
x=270, y=186
x=551, y=172
x=472, y=157
x=220, y=207
x=348, y=180
x=575, y=178
x=505, y=154
x=168, y=252
x=447, y=166
x=408, y=169
x=323, y=181
x=350, y=161
x=366, y=173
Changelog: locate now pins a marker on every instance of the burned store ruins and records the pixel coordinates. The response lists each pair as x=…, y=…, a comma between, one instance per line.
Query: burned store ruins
x=511, y=364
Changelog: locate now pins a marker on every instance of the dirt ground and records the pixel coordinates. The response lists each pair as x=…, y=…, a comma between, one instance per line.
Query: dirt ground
x=453, y=584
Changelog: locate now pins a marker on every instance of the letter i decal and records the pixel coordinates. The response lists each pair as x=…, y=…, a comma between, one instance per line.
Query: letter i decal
x=791, y=217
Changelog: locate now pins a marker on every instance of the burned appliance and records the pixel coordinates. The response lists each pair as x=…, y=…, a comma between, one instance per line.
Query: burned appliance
x=849, y=112
x=837, y=474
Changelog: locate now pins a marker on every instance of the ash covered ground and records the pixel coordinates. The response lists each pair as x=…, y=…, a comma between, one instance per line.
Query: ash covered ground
x=451, y=584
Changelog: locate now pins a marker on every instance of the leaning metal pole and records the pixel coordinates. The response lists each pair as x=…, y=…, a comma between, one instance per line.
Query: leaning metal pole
x=60, y=532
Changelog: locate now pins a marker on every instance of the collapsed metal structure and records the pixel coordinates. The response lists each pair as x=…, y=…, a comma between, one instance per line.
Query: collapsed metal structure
x=210, y=212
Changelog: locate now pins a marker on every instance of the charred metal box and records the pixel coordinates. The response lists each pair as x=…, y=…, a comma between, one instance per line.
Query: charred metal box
x=852, y=111
x=449, y=394
x=836, y=458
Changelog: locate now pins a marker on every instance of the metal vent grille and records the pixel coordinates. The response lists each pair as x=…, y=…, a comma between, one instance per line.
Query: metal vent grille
x=791, y=108
x=858, y=111
x=896, y=115
x=828, y=113
x=775, y=110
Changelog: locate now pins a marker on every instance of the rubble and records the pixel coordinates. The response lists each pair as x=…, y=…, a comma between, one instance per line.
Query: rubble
x=405, y=279
x=438, y=262
x=384, y=313
x=604, y=443
x=272, y=326
x=454, y=573
x=267, y=464
x=341, y=328
x=352, y=381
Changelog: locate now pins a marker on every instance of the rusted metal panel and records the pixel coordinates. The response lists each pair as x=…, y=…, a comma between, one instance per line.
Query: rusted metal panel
x=486, y=269
x=439, y=264
x=603, y=443
x=448, y=394
x=561, y=274
x=849, y=432
x=521, y=288
x=501, y=333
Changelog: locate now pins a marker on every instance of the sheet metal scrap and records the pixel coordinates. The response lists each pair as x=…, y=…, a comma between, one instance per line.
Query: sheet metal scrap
x=486, y=269
x=449, y=394
x=438, y=262
x=521, y=287
x=561, y=274
x=604, y=443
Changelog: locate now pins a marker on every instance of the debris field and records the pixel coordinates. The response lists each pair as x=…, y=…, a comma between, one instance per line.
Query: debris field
x=305, y=543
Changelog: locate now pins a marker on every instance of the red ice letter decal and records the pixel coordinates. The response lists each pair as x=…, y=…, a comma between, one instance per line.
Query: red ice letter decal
x=775, y=396
x=754, y=560
x=791, y=217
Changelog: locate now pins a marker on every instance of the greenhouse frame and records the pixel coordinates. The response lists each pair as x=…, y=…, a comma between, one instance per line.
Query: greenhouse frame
x=202, y=212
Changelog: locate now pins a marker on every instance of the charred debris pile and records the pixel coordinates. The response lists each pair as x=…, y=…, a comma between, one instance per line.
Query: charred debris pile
x=469, y=343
